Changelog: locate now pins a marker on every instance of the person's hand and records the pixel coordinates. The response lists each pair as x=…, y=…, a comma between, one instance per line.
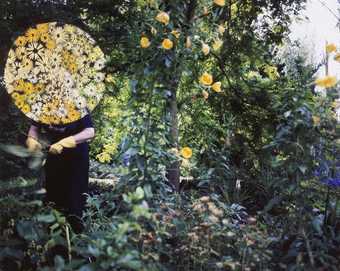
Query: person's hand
x=68, y=142
x=32, y=144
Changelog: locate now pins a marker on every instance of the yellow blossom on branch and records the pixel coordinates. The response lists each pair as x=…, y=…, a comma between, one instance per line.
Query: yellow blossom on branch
x=220, y=3
x=217, y=86
x=163, y=17
x=326, y=82
x=145, y=42
x=176, y=33
x=206, y=79
x=167, y=44
x=186, y=152
x=337, y=57
x=330, y=48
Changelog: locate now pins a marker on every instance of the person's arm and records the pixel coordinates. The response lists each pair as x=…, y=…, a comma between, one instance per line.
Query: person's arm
x=32, y=142
x=33, y=132
x=85, y=135
x=71, y=142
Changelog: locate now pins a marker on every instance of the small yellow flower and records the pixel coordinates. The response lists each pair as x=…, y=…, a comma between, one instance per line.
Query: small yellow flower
x=217, y=86
x=21, y=41
x=330, y=48
x=167, y=44
x=206, y=79
x=326, y=82
x=188, y=42
x=50, y=44
x=205, y=94
x=316, y=120
x=337, y=57
x=42, y=28
x=32, y=35
x=272, y=72
x=220, y=3
x=44, y=37
x=221, y=29
x=163, y=17
x=217, y=44
x=39, y=87
x=29, y=88
x=205, y=49
x=104, y=157
x=109, y=78
x=176, y=33
x=73, y=68
x=25, y=108
x=145, y=42
x=186, y=152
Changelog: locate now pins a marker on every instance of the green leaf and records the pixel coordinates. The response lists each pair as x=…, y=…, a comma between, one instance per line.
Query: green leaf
x=16, y=150
x=139, y=193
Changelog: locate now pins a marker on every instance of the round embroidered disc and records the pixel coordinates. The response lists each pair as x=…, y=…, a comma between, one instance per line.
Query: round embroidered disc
x=54, y=73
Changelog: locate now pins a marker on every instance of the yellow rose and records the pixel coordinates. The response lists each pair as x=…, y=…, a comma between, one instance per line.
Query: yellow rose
x=186, y=152
x=145, y=42
x=217, y=44
x=167, y=44
x=176, y=33
x=326, y=82
x=220, y=3
x=163, y=17
x=217, y=86
x=206, y=79
x=330, y=48
x=205, y=49
x=205, y=94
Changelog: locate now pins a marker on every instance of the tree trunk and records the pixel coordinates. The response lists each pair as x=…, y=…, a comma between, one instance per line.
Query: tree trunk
x=173, y=170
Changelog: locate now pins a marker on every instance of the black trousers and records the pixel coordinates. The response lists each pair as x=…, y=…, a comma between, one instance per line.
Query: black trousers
x=66, y=181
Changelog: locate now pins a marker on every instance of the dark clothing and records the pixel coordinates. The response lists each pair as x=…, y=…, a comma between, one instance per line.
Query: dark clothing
x=67, y=173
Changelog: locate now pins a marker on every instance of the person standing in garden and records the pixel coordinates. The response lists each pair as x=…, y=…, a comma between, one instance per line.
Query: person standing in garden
x=67, y=165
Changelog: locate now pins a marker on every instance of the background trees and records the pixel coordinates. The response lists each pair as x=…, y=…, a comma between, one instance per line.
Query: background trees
x=211, y=76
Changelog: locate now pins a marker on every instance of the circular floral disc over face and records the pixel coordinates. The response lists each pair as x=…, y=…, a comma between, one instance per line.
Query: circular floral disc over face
x=54, y=73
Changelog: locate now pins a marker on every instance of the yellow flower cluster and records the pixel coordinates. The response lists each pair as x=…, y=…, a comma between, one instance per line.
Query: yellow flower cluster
x=106, y=155
x=167, y=43
x=326, y=82
x=272, y=72
x=54, y=73
x=206, y=79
